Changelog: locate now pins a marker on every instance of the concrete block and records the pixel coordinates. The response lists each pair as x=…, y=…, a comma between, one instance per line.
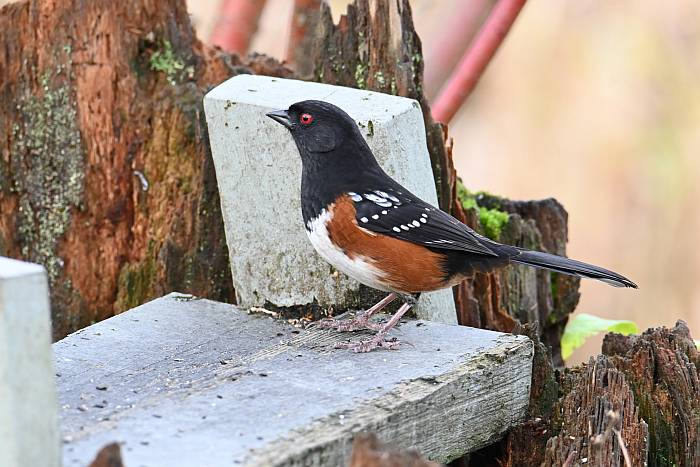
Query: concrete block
x=186, y=382
x=259, y=175
x=28, y=407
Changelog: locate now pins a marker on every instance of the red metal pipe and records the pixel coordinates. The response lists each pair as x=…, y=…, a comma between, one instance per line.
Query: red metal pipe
x=447, y=45
x=237, y=23
x=475, y=59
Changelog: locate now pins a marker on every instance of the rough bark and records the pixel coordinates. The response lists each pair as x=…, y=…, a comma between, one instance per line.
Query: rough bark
x=641, y=393
x=597, y=421
x=496, y=300
x=105, y=173
x=662, y=367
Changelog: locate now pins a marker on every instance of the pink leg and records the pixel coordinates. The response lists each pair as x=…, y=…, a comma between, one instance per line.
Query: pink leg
x=378, y=340
x=361, y=321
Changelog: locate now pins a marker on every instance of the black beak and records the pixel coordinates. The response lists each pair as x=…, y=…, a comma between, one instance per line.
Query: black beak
x=280, y=116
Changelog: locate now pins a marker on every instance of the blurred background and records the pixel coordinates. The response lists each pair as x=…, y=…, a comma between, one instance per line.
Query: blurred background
x=595, y=103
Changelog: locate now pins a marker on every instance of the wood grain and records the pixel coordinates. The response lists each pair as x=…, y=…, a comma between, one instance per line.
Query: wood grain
x=180, y=372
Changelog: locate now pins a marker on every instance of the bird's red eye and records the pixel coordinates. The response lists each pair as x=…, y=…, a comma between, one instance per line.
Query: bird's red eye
x=306, y=119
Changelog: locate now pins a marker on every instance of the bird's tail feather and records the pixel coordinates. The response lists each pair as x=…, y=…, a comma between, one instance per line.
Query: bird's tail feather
x=570, y=266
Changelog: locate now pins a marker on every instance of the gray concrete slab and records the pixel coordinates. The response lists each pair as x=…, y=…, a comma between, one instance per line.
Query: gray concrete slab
x=28, y=408
x=258, y=171
x=181, y=382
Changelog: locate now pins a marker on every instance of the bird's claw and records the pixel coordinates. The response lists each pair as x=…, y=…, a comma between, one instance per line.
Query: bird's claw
x=368, y=345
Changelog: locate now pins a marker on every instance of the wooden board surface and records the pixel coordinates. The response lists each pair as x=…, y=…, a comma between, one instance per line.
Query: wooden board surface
x=188, y=382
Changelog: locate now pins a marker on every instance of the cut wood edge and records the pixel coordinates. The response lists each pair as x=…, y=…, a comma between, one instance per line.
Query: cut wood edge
x=329, y=439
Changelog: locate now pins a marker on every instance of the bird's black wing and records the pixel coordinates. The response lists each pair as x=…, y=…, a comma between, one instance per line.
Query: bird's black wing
x=402, y=215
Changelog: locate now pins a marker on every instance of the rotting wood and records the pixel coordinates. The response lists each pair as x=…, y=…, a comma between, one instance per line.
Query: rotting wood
x=641, y=394
x=108, y=456
x=368, y=451
x=263, y=392
x=598, y=403
x=105, y=175
x=662, y=366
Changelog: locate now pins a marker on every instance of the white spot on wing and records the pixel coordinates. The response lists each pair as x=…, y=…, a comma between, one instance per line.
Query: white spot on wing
x=396, y=229
x=374, y=198
x=375, y=216
x=416, y=223
x=440, y=241
x=364, y=219
x=404, y=227
x=423, y=220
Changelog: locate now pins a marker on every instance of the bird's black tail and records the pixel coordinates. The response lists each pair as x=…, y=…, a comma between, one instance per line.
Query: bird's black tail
x=570, y=266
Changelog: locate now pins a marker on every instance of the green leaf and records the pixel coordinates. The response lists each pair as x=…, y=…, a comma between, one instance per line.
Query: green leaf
x=583, y=326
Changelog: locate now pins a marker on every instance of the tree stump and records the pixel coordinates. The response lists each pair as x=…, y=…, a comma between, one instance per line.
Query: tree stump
x=641, y=394
x=663, y=367
x=105, y=173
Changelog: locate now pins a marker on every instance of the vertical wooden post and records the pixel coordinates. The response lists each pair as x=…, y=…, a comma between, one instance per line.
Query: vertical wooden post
x=28, y=405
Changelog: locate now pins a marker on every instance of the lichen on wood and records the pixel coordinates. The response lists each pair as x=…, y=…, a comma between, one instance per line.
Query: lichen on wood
x=47, y=168
x=106, y=176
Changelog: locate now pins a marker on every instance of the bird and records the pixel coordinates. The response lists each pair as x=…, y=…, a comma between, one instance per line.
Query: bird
x=373, y=229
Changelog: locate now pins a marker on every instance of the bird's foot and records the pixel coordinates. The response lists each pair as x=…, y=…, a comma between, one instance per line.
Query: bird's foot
x=357, y=323
x=368, y=345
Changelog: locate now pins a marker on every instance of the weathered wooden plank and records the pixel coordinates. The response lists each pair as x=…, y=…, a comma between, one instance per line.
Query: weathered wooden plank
x=28, y=409
x=180, y=382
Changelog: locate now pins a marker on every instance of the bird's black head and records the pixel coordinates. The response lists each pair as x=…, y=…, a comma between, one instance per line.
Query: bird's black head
x=335, y=157
x=319, y=128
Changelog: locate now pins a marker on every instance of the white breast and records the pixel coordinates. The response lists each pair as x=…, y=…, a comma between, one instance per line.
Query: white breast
x=359, y=268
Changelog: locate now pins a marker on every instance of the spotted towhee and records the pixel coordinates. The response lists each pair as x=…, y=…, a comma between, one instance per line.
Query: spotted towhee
x=374, y=230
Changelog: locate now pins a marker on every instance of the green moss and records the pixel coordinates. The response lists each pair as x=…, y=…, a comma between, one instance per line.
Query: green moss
x=492, y=220
x=554, y=284
x=370, y=128
x=48, y=167
x=135, y=281
x=361, y=75
x=165, y=61
x=379, y=77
